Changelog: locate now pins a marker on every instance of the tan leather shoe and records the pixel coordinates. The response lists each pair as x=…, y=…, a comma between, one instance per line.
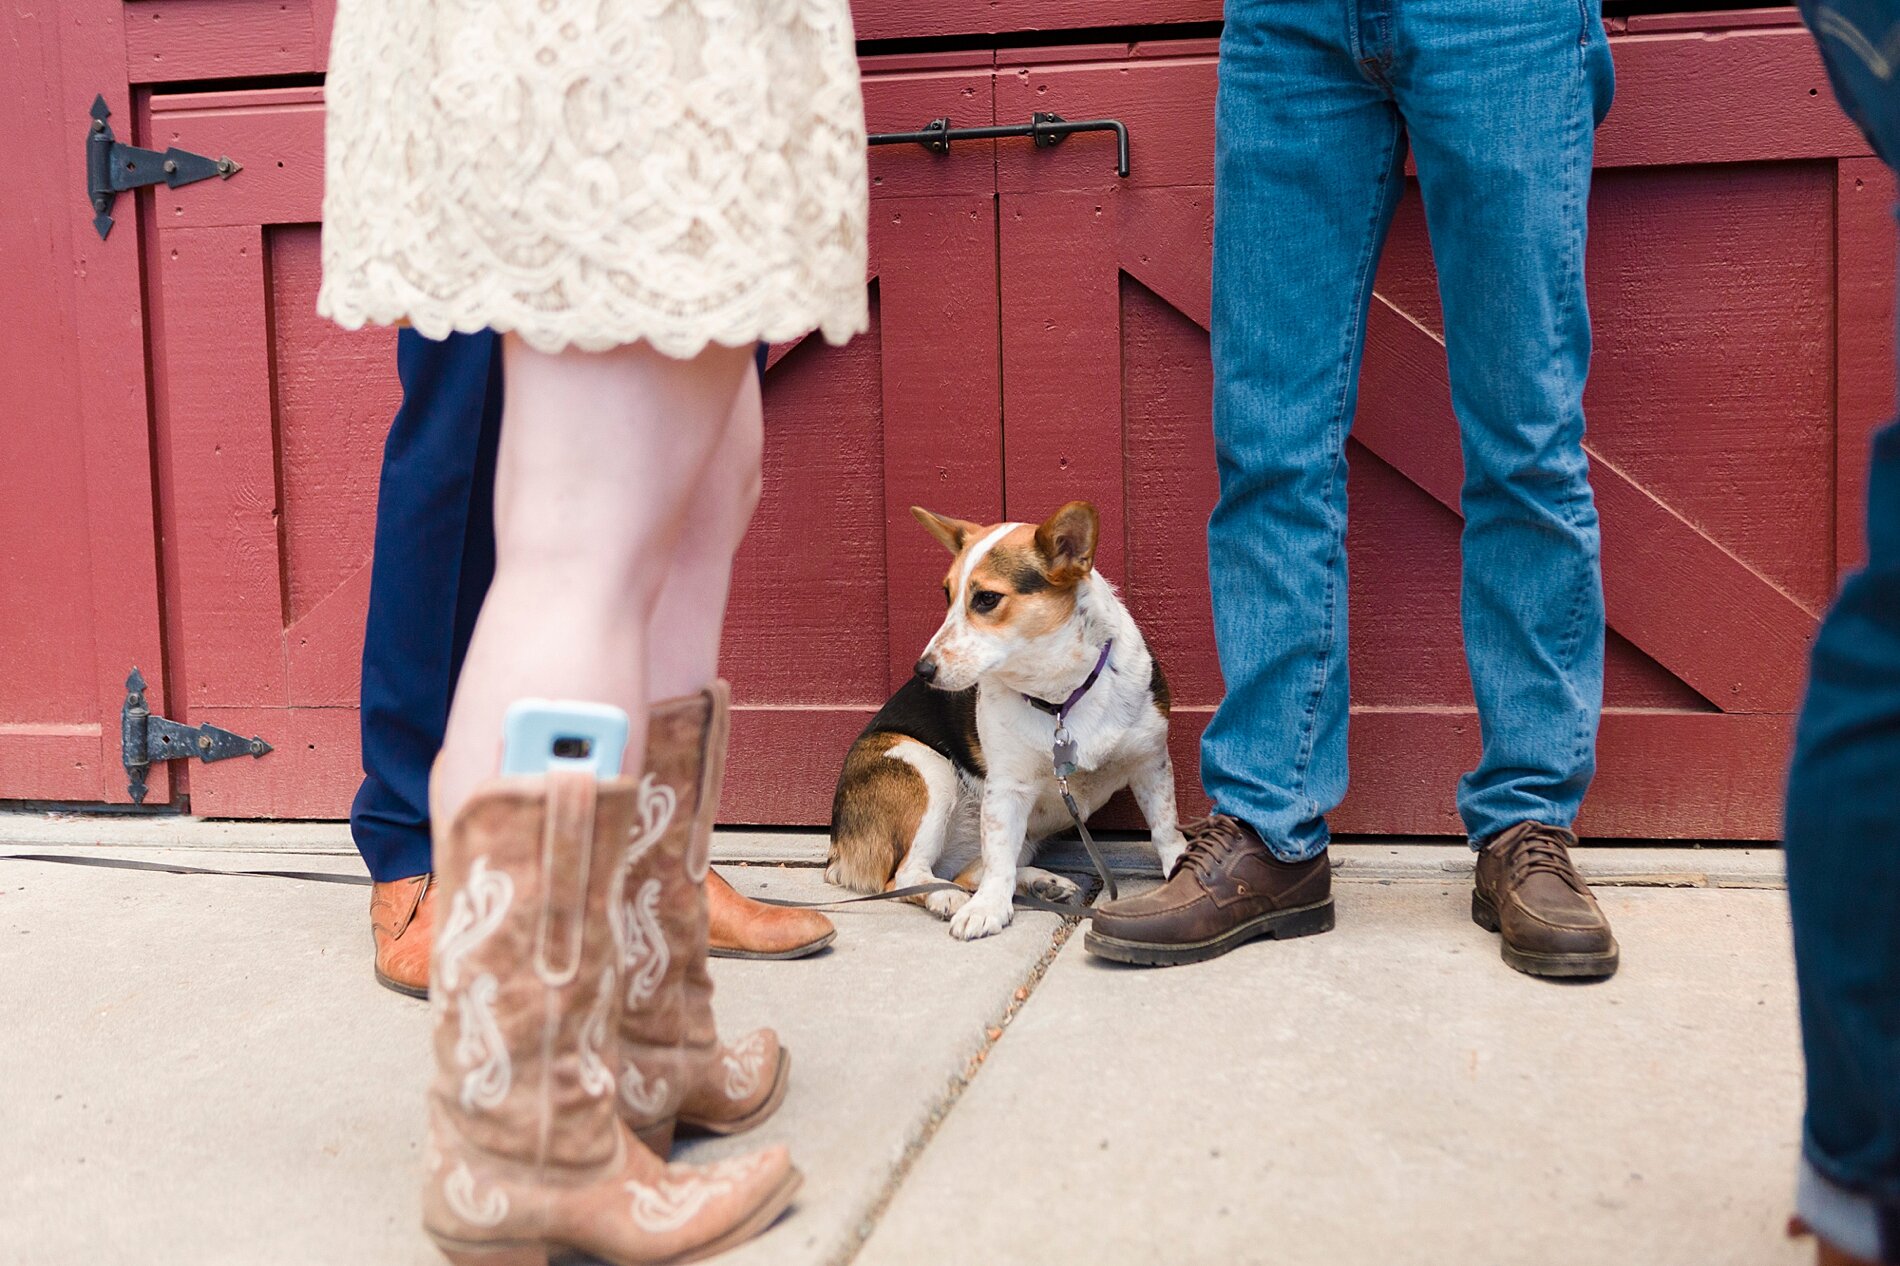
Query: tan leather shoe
x=402, y=921
x=744, y=928
x=526, y=1155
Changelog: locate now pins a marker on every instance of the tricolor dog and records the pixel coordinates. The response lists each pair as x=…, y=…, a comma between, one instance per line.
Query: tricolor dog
x=1035, y=640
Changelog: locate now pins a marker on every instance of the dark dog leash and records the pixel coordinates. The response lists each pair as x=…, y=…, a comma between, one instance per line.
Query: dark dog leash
x=363, y=881
x=175, y=868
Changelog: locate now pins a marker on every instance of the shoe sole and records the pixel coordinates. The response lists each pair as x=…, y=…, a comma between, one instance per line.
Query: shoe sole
x=777, y=956
x=532, y=1253
x=1531, y=963
x=391, y=983
x=1281, y=925
x=781, y=1079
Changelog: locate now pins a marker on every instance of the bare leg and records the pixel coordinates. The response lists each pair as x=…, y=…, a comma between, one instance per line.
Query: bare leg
x=600, y=456
x=692, y=603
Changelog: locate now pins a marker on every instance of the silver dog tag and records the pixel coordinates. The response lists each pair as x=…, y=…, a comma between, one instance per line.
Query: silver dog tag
x=1064, y=752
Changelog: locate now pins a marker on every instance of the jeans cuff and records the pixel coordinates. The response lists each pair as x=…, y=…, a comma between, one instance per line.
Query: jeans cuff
x=1850, y=1220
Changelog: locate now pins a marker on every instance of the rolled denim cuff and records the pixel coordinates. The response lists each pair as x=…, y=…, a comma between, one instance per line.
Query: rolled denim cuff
x=1850, y=1220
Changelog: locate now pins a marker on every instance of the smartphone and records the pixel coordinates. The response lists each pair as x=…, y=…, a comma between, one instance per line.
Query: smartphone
x=544, y=735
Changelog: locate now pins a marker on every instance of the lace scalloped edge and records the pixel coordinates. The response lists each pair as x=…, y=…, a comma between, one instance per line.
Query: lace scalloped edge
x=544, y=332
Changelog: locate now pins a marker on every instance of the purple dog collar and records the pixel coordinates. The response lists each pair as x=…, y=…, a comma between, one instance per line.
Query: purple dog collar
x=1060, y=711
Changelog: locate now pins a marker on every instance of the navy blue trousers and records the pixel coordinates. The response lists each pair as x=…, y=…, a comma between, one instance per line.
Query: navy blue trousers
x=1843, y=824
x=435, y=555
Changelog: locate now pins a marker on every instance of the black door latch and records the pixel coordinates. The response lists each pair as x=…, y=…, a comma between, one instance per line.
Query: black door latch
x=1047, y=130
x=113, y=167
x=144, y=738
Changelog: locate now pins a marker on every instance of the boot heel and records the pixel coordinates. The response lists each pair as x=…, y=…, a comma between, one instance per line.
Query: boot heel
x=463, y=1254
x=1483, y=913
x=1305, y=922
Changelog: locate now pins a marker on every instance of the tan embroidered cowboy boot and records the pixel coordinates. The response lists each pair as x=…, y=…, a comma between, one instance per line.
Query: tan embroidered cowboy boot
x=675, y=1067
x=527, y=1156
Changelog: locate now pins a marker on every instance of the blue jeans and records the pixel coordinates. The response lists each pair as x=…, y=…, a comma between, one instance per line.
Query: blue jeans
x=1317, y=101
x=1843, y=826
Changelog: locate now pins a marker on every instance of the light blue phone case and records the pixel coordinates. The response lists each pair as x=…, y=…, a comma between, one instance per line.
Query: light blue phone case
x=543, y=735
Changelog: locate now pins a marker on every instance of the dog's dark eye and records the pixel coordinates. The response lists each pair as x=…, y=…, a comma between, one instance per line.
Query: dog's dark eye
x=984, y=601
x=947, y=598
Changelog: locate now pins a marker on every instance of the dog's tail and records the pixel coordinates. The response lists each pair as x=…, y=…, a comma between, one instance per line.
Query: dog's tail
x=876, y=811
x=863, y=854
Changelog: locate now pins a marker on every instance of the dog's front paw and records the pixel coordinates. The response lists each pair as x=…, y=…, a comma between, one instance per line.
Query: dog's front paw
x=981, y=916
x=943, y=904
x=1052, y=887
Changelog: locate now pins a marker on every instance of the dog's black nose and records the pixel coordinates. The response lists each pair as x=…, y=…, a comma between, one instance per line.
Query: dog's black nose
x=926, y=669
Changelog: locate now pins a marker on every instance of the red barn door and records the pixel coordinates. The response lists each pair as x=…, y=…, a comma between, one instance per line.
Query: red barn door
x=1736, y=240
x=78, y=558
x=270, y=421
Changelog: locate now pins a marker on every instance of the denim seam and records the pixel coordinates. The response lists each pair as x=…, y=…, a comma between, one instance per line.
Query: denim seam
x=1575, y=272
x=1322, y=668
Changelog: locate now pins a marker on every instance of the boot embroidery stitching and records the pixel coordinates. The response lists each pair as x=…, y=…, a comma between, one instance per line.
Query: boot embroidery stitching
x=481, y=1049
x=459, y=1190
x=476, y=912
x=671, y=1204
x=643, y=951
x=595, y=1079
x=635, y=919
x=744, y=1063
x=645, y=1100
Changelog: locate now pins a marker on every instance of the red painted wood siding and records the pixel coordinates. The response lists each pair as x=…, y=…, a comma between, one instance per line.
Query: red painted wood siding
x=1039, y=333
x=270, y=421
x=1721, y=321
x=78, y=556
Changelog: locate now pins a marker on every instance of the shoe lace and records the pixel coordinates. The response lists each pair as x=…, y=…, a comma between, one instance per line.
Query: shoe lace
x=1207, y=840
x=1545, y=850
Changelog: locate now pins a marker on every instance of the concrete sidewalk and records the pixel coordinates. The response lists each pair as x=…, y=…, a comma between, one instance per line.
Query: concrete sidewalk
x=199, y=1069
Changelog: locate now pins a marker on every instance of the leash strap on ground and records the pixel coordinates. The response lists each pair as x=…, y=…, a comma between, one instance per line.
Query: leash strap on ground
x=1022, y=899
x=917, y=890
x=174, y=868
x=363, y=881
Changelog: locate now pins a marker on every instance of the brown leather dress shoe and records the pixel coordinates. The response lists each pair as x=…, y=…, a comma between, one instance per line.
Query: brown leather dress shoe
x=402, y=921
x=1529, y=891
x=1226, y=890
x=744, y=928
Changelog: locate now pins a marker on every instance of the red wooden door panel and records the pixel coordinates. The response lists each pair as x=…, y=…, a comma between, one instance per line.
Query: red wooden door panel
x=1720, y=220
x=835, y=591
x=78, y=567
x=269, y=425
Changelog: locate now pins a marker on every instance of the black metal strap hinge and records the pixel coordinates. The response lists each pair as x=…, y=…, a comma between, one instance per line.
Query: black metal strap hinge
x=145, y=738
x=1046, y=129
x=113, y=167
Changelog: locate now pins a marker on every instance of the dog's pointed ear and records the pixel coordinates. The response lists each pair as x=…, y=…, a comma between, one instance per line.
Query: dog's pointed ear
x=1067, y=542
x=954, y=533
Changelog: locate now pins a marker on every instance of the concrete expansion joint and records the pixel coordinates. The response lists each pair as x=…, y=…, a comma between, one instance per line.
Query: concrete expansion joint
x=952, y=1092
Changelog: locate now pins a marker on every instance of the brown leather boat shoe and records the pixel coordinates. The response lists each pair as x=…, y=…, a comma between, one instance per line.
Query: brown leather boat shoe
x=402, y=921
x=744, y=928
x=1226, y=890
x=1528, y=891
